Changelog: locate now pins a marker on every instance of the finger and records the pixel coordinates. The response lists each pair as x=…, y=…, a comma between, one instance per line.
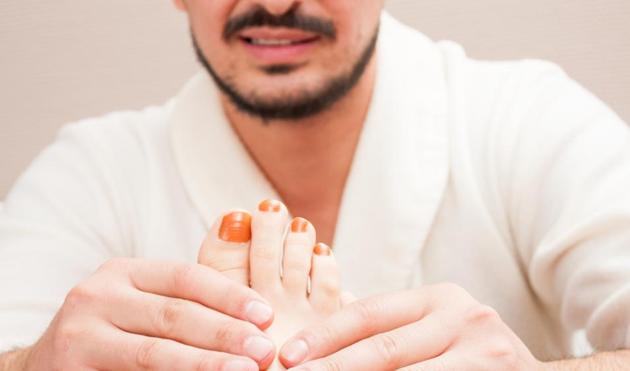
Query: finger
x=203, y=285
x=191, y=324
x=113, y=349
x=391, y=350
x=357, y=321
x=444, y=362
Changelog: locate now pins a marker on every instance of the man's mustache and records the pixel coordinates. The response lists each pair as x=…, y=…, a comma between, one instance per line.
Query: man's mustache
x=259, y=17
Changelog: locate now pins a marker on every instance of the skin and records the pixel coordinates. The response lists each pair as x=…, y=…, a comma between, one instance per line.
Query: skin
x=259, y=262
x=134, y=314
x=297, y=156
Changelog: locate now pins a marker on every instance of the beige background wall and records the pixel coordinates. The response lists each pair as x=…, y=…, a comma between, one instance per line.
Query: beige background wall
x=66, y=59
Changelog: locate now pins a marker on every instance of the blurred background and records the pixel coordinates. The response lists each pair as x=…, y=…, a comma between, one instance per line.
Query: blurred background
x=64, y=60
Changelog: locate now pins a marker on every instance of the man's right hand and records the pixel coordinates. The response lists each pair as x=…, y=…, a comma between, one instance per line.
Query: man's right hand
x=141, y=315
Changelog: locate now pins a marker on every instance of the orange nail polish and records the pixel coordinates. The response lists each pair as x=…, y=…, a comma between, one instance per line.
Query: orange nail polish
x=270, y=206
x=236, y=227
x=322, y=249
x=299, y=225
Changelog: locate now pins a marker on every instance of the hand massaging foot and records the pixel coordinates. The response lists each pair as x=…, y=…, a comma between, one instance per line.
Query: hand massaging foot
x=277, y=267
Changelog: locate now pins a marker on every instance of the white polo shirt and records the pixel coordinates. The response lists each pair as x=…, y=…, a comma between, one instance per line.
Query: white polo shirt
x=506, y=178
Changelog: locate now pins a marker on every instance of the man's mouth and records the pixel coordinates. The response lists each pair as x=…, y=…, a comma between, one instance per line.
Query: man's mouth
x=273, y=46
x=278, y=42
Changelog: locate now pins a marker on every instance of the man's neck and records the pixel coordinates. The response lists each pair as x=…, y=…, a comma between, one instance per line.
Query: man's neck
x=308, y=162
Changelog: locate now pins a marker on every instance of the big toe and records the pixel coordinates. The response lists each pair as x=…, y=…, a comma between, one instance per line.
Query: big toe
x=226, y=248
x=268, y=227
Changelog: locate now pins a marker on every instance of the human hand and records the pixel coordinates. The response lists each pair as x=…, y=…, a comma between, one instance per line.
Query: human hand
x=141, y=315
x=437, y=327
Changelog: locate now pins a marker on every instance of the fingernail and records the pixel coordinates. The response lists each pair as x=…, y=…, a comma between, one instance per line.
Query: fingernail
x=322, y=249
x=236, y=227
x=258, y=348
x=259, y=313
x=295, y=352
x=270, y=206
x=240, y=365
x=299, y=225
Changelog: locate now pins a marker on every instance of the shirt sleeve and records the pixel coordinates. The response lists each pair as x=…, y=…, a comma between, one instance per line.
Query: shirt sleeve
x=58, y=224
x=568, y=191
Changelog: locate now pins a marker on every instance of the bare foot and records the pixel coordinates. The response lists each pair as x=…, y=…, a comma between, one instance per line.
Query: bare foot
x=280, y=268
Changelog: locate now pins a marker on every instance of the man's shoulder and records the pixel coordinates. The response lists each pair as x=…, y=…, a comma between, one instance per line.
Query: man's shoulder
x=148, y=121
x=119, y=133
x=493, y=75
x=447, y=67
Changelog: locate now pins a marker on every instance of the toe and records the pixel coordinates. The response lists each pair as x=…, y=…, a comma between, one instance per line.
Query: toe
x=325, y=280
x=226, y=249
x=268, y=228
x=298, y=252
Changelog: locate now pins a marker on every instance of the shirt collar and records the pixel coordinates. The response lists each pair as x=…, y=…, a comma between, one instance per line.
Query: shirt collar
x=398, y=175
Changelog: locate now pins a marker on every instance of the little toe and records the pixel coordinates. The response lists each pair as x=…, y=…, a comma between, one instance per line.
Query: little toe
x=226, y=248
x=268, y=228
x=298, y=252
x=325, y=280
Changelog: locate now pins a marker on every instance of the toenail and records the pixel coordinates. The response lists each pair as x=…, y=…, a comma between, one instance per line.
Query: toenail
x=295, y=352
x=236, y=227
x=270, y=206
x=258, y=348
x=299, y=225
x=322, y=249
x=258, y=313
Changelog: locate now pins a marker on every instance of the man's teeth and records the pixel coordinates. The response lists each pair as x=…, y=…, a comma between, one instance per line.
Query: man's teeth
x=273, y=42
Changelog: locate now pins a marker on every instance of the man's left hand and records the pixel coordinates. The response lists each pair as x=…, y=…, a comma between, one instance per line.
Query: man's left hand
x=437, y=327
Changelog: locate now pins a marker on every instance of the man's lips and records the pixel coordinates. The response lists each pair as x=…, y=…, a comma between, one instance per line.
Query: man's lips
x=278, y=46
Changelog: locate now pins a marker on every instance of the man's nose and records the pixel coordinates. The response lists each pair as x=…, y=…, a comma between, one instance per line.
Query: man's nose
x=278, y=7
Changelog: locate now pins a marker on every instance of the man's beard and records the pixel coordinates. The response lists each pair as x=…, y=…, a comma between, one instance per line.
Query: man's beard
x=299, y=105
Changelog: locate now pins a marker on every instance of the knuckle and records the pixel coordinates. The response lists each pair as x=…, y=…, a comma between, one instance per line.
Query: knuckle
x=500, y=349
x=145, y=354
x=482, y=314
x=225, y=332
x=183, y=278
x=331, y=364
x=506, y=358
x=388, y=348
x=368, y=311
x=168, y=317
x=80, y=295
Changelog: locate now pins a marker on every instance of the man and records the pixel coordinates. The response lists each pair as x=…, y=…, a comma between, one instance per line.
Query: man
x=506, y=179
